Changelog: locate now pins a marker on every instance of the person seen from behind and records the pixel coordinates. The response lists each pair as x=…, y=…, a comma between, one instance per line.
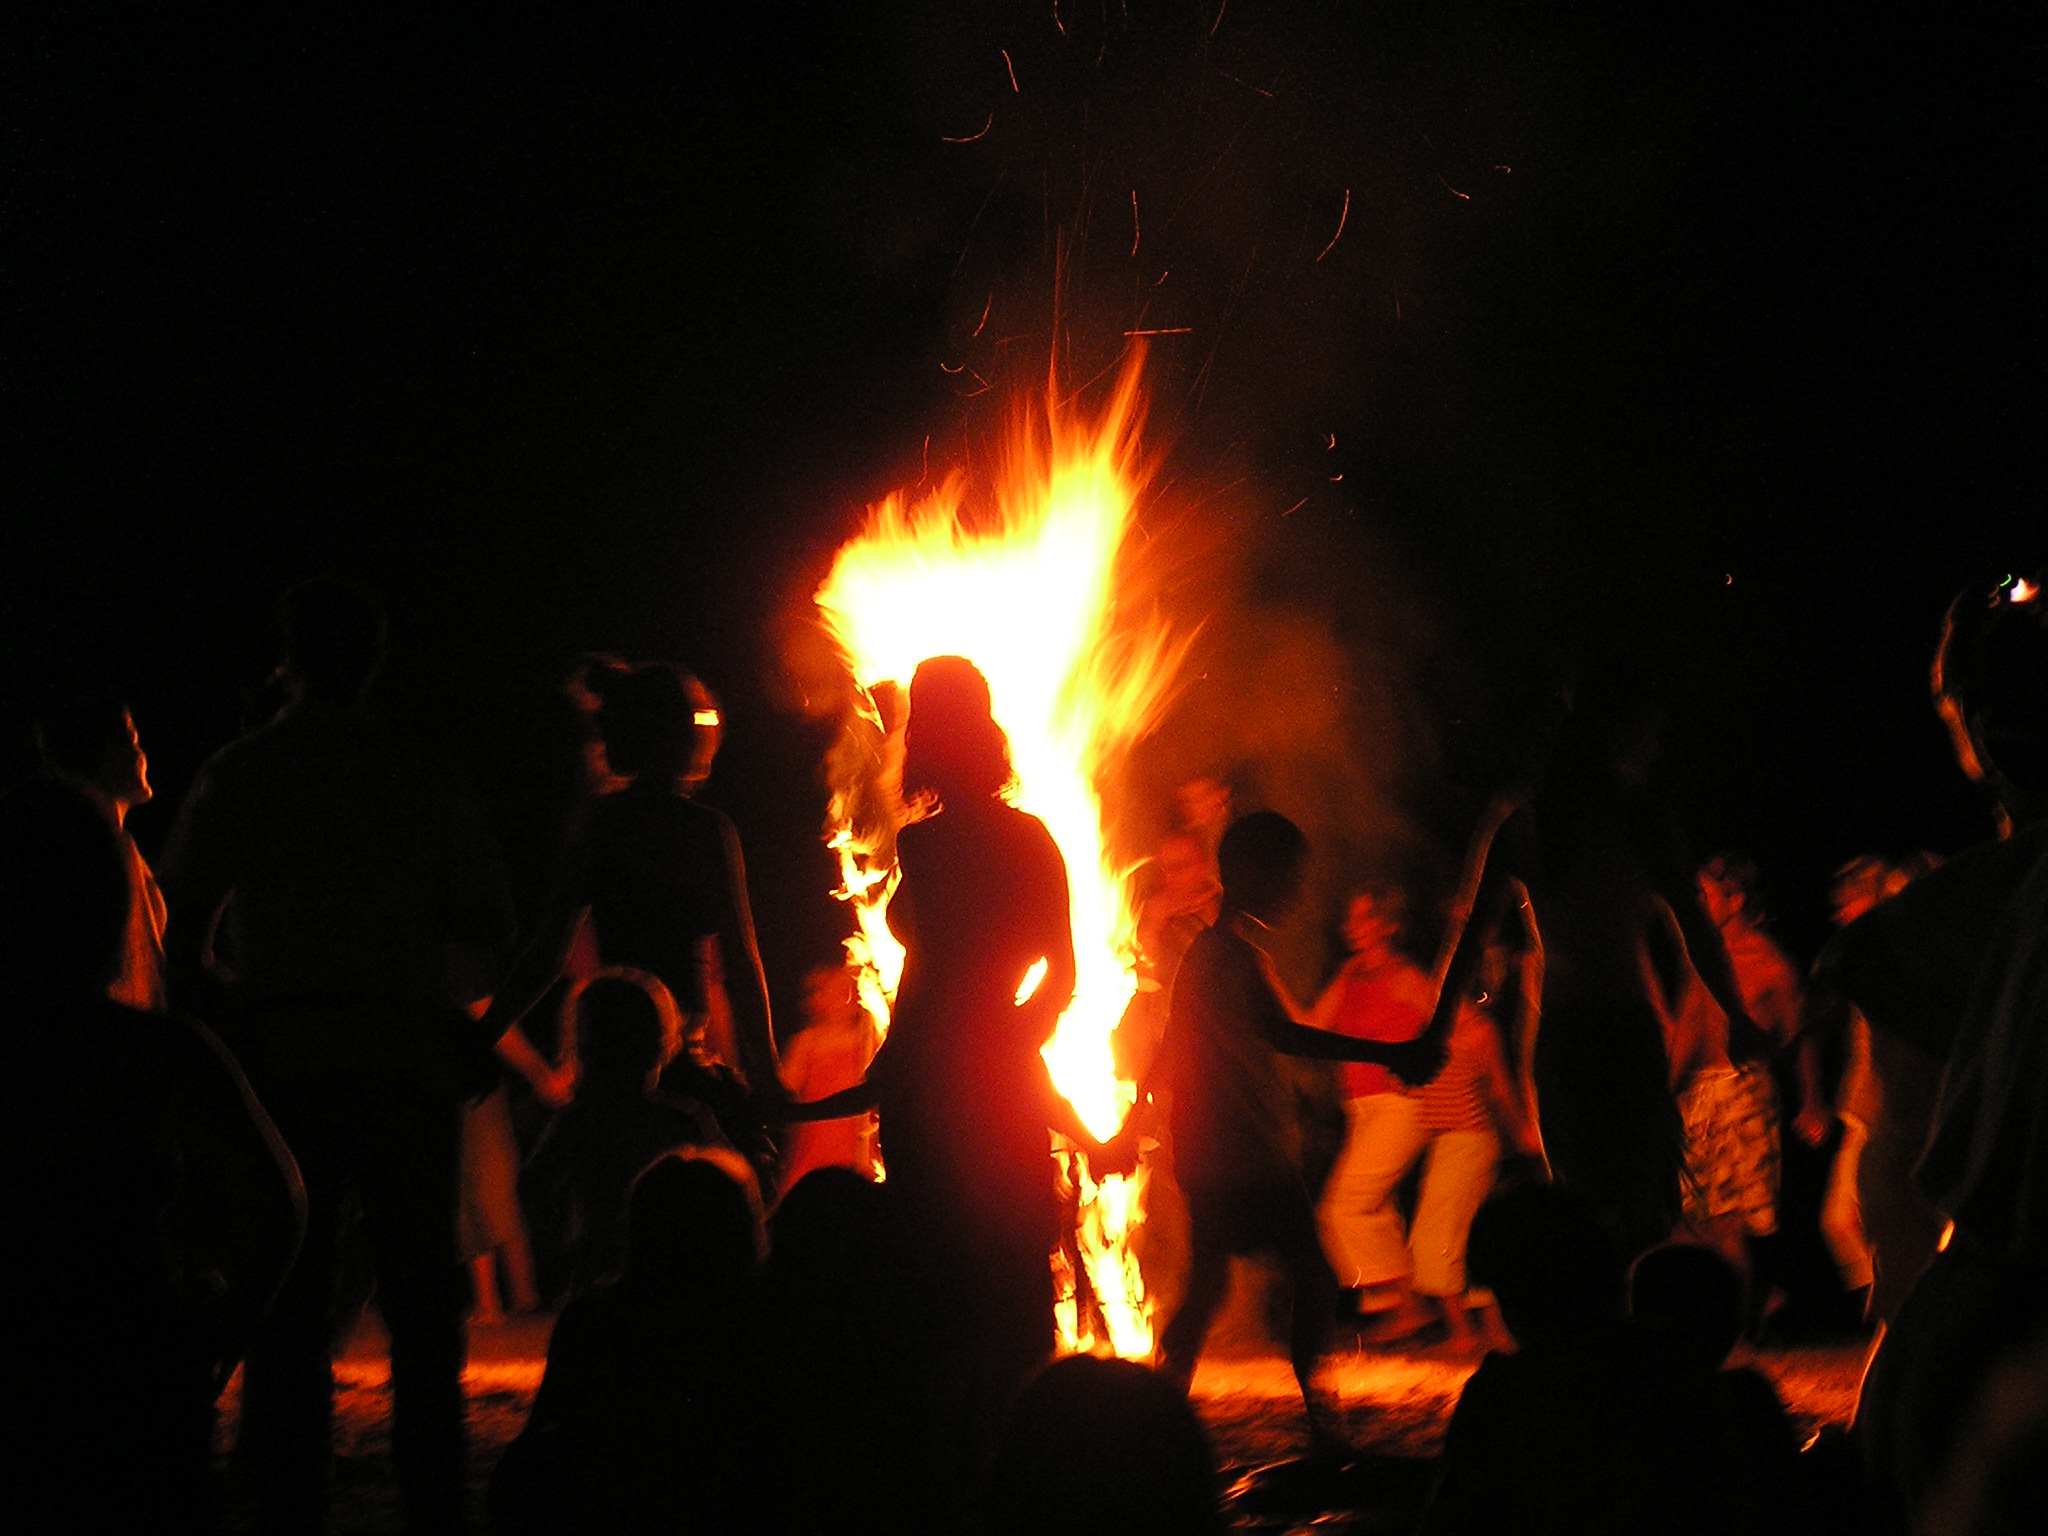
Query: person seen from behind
x=1582, y=1428
x=578, y=1176
x=649, y=1415
x=341, y=900
x=657, y=876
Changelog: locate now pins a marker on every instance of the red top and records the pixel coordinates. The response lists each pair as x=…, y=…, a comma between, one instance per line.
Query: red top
x=1390, y=1003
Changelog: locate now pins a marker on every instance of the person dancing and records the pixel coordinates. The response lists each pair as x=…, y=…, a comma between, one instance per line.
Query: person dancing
x=1229, y=1024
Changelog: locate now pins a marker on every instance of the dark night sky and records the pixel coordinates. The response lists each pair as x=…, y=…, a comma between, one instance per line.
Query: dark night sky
x=1705, y=343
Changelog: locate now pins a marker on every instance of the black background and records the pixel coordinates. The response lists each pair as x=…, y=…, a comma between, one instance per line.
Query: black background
x=1702, y=342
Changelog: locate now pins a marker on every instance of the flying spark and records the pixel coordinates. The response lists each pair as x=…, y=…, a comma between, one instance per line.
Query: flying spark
x=1343, y=214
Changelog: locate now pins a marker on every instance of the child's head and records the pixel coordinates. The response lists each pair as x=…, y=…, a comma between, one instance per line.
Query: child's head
x=1689, y=1300
x=627, y=1028
x=1542, y=1251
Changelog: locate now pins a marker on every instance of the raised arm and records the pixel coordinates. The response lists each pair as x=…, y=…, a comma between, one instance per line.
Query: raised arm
x=1673, y=876
x=1498, y=864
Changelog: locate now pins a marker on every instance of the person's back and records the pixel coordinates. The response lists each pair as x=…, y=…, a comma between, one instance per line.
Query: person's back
x=847, y=1366
x=350, y=900
x=649, y=1415
x=1102, y=1448
x=977, y=880
x=965, y=1098
x=1581, y=1429
x=580, y=1175
x=1685, y=1306
x=656, y=880
x=352, y=862
x=1231, y=1119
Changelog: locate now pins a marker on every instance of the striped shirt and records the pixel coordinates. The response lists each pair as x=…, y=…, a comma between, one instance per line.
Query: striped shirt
x=1457, y=1100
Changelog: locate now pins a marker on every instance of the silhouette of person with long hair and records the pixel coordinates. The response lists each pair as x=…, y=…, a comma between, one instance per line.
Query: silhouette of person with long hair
x=659, y=877
x=965, y=1097
x=966, y=1100
x=353, y=900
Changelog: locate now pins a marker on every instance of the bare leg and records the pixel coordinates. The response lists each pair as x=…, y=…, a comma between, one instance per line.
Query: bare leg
x=1493, y=1331
x=1459, y=1332
x=1408, y=1315
x=483, y=1280
x=519, y=1277
x=1181, y=1345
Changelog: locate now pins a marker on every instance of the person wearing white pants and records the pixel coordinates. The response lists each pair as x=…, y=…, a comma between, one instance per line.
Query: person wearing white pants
x=1463, y=1116
x=1379, y=994
x=1363, y=1233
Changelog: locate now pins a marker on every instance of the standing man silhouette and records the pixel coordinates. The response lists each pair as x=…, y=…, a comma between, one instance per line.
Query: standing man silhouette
x=337, y=881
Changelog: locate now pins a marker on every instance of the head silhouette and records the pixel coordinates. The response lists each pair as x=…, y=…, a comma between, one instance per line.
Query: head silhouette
x=1542, y=1251
x=63, y=891
x=1990, y=681
x=1688, y=1299
x=1263, y=858
x=952, y=748
x=829, y=1230
x=627, y=1027
x=87, y=735
x=654, y=719
x=693, y=1224
x=1101, y=1447
x=334, y=634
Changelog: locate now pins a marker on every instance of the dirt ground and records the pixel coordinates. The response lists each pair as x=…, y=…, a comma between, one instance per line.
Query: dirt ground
x=1395, y=1402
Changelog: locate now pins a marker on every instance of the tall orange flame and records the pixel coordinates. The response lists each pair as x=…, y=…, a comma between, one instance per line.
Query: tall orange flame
x=1027, y=591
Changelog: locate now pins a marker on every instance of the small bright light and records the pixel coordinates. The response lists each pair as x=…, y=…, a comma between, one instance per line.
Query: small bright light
x=706, y=717
x=1033, y=979
x=2024, y=591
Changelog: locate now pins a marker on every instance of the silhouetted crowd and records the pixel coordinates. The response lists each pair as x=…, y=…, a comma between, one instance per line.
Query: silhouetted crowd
x=1604, y=1135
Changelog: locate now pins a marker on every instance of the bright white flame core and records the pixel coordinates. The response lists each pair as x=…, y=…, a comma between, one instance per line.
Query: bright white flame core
x=1028, y=595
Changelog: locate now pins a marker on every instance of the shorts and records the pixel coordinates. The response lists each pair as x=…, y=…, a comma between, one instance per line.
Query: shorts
x=1731, y=1146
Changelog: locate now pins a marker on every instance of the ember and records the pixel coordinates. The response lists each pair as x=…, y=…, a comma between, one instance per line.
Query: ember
x=1026, y=587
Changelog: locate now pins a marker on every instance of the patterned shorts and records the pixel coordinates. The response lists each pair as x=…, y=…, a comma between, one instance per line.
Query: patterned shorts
x=1731, y=1146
